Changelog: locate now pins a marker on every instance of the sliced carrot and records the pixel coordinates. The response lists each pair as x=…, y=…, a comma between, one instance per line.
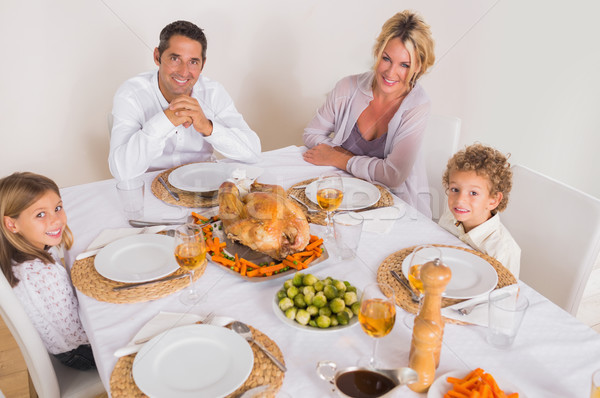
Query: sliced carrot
x=199, y=217
x=314, y=244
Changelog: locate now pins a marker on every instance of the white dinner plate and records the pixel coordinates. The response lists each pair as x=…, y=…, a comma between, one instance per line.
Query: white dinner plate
x=440, y=386
x=205, y=177
x=472, y=276
x=137, y=258
x=193, y=361
x=281, y=315
x=358, y=194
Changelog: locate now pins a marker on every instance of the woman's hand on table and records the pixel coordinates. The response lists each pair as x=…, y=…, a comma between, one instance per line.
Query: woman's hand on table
x=325, y=155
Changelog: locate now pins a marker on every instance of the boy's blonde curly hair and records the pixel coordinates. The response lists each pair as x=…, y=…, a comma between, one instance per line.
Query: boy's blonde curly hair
x=487, y=162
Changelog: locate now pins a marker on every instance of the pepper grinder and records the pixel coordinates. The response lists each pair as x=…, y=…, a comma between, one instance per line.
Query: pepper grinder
x=428, y=329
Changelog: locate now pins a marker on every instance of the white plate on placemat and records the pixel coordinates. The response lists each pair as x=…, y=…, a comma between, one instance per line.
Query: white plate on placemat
x=137, y=258
x=440, y=386
x=205, y=177
x=472, y=276
x=281, y=315
x=358, y=194
x=193, y=361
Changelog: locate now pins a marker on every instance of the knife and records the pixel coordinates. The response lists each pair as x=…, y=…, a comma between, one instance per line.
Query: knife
x=141, y=223
x=132, y=285
x=164, y=184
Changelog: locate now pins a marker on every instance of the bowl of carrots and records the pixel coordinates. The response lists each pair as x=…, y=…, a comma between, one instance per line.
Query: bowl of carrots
x=472, y=384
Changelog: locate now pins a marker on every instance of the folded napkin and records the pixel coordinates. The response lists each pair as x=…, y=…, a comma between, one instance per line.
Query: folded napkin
x=163, y=322
x=479, y=315
x=382, y=220
x=110, y=235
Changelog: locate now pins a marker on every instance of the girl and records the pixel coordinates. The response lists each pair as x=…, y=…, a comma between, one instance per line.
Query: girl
x=33, y=226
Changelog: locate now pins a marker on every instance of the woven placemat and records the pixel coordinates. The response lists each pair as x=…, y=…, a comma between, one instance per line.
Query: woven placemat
x=394, y=262
x=320, y=218
x=186, y=198
x=264, y=371
x=89, y=282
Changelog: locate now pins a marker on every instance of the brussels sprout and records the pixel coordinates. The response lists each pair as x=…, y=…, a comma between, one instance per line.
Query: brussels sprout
x=308, y=298
x=350, y=298
x=337, y=305
x=299, y=301
x=292, y=292
x=347, y=284
x=308, y=289
x=312, y=323
x=285, y=303
x=348, y=311
x=351, y=289
x=327, y=281
x=281, y=294
x=340, y=286
x=319, y=300
x=330, y=292
x=302, y=317
x=334, y=321
x=319, y=285
x=325, y=311
x=356, y=308
x=343, y=318
x=312, y=310
x=297, y=279
x=287, y=284
x=309, y=280
x=290, y=313
x=323, y=321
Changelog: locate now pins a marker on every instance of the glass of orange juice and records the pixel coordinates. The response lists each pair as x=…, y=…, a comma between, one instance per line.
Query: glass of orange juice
x=419, y=256
x=190, y=254
x=330, y=193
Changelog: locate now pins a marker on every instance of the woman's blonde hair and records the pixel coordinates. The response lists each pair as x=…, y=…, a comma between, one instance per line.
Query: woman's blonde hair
x=486, y=162
x=416, y=37
x=18, y=191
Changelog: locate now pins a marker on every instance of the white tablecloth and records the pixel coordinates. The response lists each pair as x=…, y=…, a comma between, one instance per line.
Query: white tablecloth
x=554, y=354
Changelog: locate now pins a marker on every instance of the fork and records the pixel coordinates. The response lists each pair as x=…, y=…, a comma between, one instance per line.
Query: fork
x=413, y=296
x=310, y=210
x=469, y=309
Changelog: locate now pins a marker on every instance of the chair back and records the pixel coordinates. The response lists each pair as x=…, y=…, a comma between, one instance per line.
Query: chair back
x=558, y=230
x=440, y=143
x=50, y=378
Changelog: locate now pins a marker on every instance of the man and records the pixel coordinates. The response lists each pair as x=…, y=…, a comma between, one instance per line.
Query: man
x=176, y=115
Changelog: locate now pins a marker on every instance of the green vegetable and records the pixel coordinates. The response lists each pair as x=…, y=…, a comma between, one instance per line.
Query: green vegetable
x=323, y=321
x=350, y=298
x=319, y=285
x=290, y=313
x=325, y=311
x=337, y=305
x=285, y=303
x=343, y=318
x=297, y=280
x=309, y=280
x=292, y=292
x=281, y=294
x=340, y=286
x=330, y=292
x=356, y=308
x=299, y=301
x=302, y=317
x=312, y=310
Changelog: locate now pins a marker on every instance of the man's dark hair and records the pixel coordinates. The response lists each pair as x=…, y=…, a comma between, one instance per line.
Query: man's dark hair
x=182, y=28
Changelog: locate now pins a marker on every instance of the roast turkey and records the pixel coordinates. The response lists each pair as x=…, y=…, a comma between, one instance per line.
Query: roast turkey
x=263, y=219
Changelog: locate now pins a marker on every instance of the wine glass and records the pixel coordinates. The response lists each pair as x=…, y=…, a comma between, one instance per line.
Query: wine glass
x=376, y=316
x=419, y=256
x=190, y=254
x=330, y=193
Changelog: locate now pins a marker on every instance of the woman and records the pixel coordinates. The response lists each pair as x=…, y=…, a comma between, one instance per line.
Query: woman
x=378, y=118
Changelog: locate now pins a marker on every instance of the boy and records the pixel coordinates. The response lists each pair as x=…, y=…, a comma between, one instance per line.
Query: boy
x=478, y=180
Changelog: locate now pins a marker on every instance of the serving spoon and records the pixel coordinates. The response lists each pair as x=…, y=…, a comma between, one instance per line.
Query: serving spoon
x=243, y=330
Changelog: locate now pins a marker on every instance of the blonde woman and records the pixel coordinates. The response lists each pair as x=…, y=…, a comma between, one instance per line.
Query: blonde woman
x=372, y=124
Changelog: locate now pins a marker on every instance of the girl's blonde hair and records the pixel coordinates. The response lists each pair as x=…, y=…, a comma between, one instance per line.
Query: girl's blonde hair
x=416, y=37
x=17, y=192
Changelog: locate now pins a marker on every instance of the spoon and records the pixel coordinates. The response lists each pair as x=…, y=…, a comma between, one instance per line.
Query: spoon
x=243, y=330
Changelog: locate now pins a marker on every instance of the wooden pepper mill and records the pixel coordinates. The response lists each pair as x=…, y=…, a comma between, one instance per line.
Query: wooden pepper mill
x=428, y=329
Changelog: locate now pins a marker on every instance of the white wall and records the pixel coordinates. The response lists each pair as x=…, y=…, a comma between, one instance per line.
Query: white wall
x=522, y=75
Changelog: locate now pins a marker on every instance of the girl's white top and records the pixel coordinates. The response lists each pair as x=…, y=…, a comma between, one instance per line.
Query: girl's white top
x=46, y=292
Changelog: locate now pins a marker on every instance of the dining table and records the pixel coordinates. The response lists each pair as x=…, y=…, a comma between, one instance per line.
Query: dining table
x=553, y=355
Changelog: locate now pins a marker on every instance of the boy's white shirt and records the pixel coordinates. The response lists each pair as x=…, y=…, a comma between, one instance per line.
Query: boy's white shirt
x=491, y=238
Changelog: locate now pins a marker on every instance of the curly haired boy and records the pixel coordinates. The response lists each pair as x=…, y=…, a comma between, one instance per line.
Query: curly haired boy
x=478, y=180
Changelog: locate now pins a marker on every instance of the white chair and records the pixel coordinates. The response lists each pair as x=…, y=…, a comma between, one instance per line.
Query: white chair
x=558, y=230
x=50, y=378
x=439, y=144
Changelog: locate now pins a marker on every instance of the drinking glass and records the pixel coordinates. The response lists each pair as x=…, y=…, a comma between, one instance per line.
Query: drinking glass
x=190, y=254
x=376, y=316
x=595, y=385
x=419, y=256
x=330, y=193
